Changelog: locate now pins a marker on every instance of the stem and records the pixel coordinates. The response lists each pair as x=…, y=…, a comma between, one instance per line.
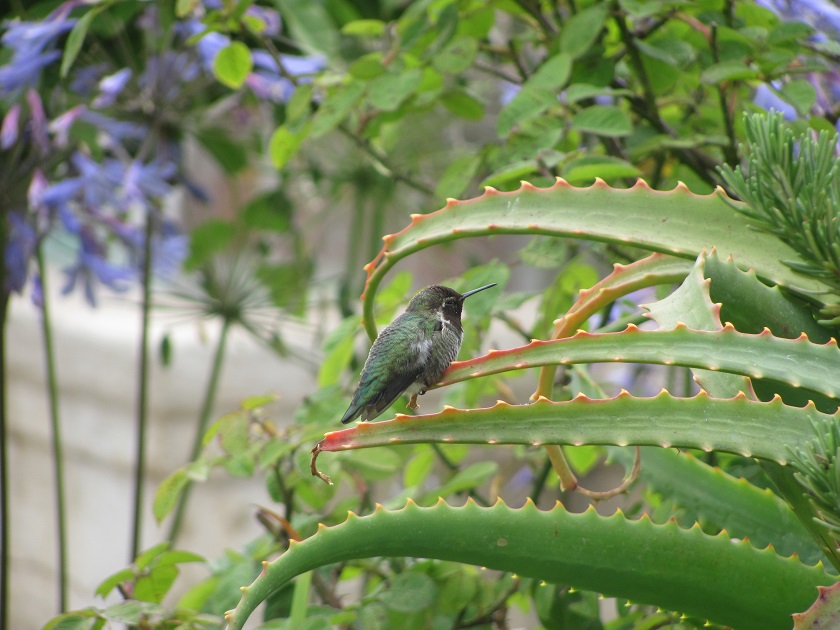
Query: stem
x=4, y=448
x=568, y=480
x=385, y=163
x=203, y=419
x=143, y=388
x=57, y=443
x=347, y=287
x=730, y=151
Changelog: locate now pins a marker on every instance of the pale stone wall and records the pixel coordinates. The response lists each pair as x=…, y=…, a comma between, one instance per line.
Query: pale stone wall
x=96, y=351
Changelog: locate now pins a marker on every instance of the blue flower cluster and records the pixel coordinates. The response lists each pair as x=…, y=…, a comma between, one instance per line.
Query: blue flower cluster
x=103, y=191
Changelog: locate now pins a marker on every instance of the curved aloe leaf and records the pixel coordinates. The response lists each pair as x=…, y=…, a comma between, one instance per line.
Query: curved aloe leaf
x=711, y=495
x=735, y=425
x=796, y=362
x=656, y=221
x=751, y=305
x=651, y=271
x=713, y=577
x=692, y=303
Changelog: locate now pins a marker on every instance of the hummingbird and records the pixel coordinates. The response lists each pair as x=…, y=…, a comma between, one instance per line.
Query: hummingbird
x=412, y=352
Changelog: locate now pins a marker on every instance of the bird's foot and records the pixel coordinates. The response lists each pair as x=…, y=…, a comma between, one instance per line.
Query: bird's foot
x=412, y=403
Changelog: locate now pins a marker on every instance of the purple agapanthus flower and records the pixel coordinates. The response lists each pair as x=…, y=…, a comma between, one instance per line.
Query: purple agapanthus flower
x=20, y=247
x=823, y=15
x=169, y=246
x=166, y=74
x=110, y=87
x=86, y=79
x=33, y=48
x=92, y=267
x=60, y=126
x=766, y=98
x=9, y=128
x=117, y=130
x=266, y=81
x=144, y=182
x=100, y=180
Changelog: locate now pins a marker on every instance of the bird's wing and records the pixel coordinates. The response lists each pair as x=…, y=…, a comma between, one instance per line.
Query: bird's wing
x=401, y=349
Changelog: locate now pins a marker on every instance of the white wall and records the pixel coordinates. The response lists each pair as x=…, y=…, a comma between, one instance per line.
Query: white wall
x=96, y=351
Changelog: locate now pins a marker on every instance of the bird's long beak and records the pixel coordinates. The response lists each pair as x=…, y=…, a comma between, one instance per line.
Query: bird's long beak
x=464, y=296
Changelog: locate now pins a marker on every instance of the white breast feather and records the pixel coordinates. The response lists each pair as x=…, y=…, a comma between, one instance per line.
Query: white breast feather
x=422, y=348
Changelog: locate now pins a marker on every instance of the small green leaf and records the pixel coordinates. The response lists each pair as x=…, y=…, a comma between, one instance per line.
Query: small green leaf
x=284, y=144
x=112, y=581
x=364, y=28
x=410, y=592
x=674, y=52
x=233, y=64
x=228, y=153
x=336, y=107
x=468, y=478
x=588, y=168
x=457, y=176
x=146, y=558
x=511, y=173
x=580, y=91
x=418, y=467
x=463, y=104
x=786, y=32
x=196, y=597
x=478, y=22
x=166, y=350
x=168, y=492
x=801, y=94
x=727, y=71
x=367, y=66
x=75, y=40
x=179, y=557
x=583, y=458
x=581, y=30
x=184, y=7
x=641, y=8
x=299, y=106
x=457, y=55
x=544, y=252
x=603, y=120
x=385, y=465
x=270, y=211
x=154, y=586
x=76, y=620
x=131, y=612
x=207, y=239
x=338, y=349
x=253, y=23
x=537, y=94
x=311, y=25
x=255, y=402
x=388, y=91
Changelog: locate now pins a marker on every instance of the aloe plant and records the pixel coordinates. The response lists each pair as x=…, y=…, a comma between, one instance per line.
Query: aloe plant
x=769, y=392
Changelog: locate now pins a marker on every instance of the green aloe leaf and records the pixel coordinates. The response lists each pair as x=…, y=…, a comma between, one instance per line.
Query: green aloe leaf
x=796, y=362
x=656, y=221
x=735, y=425
x=714, y=577
x=707, y=493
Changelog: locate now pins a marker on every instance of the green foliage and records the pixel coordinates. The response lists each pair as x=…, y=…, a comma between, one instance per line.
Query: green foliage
x=796, y=198
x=411, y=103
